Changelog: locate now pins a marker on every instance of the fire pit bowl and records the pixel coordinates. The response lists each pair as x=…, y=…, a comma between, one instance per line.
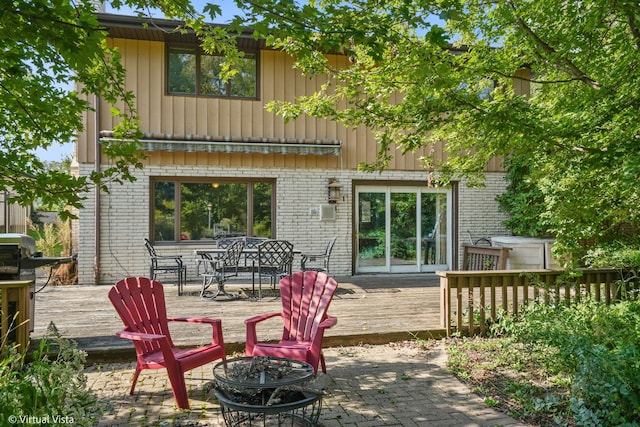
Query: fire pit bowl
x=298, y=409
x=266, y=391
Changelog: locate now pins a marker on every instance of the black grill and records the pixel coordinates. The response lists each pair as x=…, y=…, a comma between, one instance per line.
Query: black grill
x=19, y=259
x=18, y=262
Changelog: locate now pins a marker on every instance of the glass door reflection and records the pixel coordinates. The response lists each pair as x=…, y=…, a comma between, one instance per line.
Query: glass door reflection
x=372, y=235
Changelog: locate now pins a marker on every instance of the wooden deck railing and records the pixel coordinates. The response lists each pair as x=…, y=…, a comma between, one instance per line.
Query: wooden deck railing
x=471, y=300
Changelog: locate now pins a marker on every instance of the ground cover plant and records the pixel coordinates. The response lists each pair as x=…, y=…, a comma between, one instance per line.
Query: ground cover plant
x=558, y=365
x=48, y=387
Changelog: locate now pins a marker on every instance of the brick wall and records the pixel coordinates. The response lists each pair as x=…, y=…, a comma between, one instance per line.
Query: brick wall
x=299, y=193
x=479, y=212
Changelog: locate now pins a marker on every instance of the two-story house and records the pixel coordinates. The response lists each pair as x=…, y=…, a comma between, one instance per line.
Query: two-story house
x=219, y=164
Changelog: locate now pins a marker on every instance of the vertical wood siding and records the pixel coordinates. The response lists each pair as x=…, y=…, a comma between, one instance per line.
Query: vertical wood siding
x=164, y=114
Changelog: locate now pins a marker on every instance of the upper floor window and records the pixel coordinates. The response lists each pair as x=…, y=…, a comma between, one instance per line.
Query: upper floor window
x=193, y=72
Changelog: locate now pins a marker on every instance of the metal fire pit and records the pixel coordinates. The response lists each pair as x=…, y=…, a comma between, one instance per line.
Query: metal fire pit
x=304, y=410
x=266, y=391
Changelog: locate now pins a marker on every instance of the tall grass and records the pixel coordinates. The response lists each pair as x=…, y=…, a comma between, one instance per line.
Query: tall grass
x=52, y=239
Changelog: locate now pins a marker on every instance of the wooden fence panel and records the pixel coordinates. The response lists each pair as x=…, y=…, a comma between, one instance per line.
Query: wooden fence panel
x=470, y=301
x=13, y=217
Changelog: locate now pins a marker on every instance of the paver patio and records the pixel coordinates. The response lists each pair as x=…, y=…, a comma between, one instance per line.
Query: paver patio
x=377, y=375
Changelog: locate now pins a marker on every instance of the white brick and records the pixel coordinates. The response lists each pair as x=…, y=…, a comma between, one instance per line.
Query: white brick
x=124, y=215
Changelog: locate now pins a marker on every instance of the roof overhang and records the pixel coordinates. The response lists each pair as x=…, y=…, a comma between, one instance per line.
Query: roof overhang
x=164, y=30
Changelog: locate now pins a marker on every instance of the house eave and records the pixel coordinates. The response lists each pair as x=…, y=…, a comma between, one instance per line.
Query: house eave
x=164, y=30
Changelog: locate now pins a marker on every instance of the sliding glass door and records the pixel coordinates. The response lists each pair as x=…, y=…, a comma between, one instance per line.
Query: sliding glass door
x=401, y=229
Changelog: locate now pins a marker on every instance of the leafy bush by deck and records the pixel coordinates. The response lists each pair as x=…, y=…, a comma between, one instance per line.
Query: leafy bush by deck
x=597, y=347
x=48, y=389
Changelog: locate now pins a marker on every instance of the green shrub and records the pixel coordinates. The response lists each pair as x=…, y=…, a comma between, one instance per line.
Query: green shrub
x=597, y=346
x=613, y=256
x=47, y=390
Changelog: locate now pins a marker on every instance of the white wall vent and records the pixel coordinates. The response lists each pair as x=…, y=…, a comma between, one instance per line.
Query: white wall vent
x=328, y=212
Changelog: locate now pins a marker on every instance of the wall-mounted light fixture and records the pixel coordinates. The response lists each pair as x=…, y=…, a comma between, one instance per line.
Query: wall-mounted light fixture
x=334, y=188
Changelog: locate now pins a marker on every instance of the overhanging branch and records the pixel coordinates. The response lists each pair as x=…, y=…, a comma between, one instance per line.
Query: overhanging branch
x=567, y=66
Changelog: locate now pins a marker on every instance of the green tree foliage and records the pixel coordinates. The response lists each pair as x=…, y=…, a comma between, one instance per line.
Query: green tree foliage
x=457, y=74
x=523, y=200
x=456, y=63
x=46, y=45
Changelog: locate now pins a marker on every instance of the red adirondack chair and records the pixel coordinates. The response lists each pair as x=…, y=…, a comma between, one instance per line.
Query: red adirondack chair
x=306, y=296
x=141, y=305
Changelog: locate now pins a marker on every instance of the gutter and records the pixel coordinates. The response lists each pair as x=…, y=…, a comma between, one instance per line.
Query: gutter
x=96, y=218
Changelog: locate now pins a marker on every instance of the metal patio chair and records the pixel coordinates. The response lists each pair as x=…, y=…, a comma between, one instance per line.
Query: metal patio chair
x=321, y=260
x=275, y=259
x=166, y=264
x=219, y=269
x=252, y=257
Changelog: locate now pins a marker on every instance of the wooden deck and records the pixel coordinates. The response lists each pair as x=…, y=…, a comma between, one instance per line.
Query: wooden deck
x=370, y=309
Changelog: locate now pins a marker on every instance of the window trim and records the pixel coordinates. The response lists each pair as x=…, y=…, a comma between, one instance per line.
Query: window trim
x=199, y=52
x=178, y=181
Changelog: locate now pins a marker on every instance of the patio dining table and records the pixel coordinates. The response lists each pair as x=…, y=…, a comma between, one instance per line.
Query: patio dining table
x=250, y=253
